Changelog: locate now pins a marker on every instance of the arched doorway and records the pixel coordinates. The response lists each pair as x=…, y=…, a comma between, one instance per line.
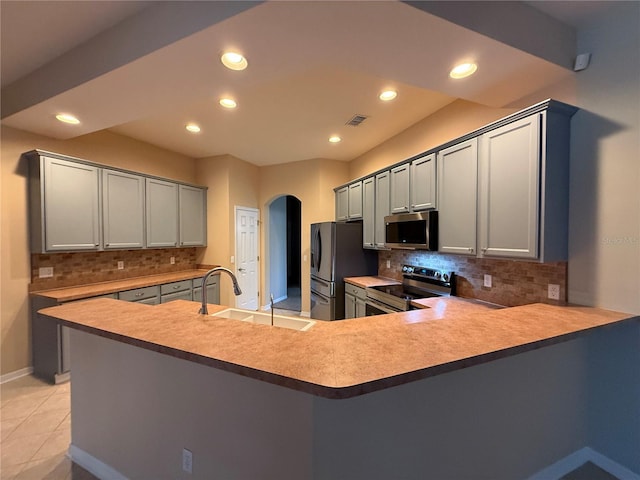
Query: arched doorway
x=285, y=268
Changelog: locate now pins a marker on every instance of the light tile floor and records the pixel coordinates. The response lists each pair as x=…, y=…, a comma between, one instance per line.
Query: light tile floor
x=36, y=431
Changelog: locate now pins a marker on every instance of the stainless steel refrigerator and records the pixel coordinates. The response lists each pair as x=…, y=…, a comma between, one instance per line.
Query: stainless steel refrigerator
x=336, y=253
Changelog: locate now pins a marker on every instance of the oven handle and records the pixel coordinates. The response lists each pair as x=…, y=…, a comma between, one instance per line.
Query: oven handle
x=381, y=306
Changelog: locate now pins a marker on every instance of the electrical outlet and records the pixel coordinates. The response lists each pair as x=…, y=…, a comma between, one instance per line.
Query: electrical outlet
x=120, y=265
x=187, y=461
x=45, y=272
x=554, y=291
x=172, y=260
x=487, y=281
x=388, y=263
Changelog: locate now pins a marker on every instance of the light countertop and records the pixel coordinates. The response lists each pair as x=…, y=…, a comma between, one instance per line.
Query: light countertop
x=67, y=294
x=366, y=282
x=339, y=359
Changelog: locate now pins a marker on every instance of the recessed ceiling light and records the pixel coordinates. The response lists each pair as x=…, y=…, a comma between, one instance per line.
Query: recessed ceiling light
x=463, y=70
x=335, y=139
x=193, y=128
x=67, y=118
x=388, y=95
x=228, y=103
x=234, y=61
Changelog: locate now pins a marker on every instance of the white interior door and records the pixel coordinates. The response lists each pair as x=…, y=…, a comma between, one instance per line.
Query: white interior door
x=247, y=248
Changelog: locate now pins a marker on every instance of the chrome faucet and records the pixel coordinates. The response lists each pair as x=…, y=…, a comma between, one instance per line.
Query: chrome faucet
x=236, y=287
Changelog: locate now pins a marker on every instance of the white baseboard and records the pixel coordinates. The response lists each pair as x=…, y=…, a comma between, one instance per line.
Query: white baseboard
x=23, y=372
x=305, y=314
x=578, y=458
x=93, y=465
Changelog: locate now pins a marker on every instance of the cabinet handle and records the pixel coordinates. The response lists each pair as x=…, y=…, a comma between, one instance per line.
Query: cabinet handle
x=471, y=250
x=139, y=294
x=484, y=250
x=176, y=287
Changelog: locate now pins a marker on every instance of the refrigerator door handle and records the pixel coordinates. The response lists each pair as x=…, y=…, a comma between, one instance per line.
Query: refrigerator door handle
x=319, y=248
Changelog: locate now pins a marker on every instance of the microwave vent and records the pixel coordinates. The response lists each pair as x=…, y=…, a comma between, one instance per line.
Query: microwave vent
x=356, y=120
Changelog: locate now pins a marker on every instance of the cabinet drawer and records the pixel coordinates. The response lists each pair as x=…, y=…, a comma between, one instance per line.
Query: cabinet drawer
x=355, y=290
x=175, y=287
x=139, y=294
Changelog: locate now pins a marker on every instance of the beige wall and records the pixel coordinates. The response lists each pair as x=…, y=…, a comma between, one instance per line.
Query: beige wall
x=311, y=182
x=232, y=182
x=448, y=123
x=102, y=147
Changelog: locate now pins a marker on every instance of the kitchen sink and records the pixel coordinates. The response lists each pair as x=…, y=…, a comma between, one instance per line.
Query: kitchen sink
x=263, y=318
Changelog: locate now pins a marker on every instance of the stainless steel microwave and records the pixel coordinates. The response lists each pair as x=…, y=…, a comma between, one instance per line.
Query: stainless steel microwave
x=416, y=231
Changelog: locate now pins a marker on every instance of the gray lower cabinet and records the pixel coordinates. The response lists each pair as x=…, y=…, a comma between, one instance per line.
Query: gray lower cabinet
x=64, y=205
x=213, y=289
x=162, y=213
x=50, y=342
x=176, y=291
x=354, y=301
x=148, y=295
x=457, y=197
x=122, y=210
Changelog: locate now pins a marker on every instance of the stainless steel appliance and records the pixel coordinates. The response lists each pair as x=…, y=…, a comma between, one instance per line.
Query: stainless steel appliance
x=412, y=230
x=336, y=252
x=417, y=282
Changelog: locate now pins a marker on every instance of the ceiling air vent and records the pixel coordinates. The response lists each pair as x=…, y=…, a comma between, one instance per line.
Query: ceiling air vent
x=356, y=120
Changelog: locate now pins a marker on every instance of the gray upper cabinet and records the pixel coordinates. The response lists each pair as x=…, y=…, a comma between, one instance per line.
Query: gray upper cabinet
x=162, y=213
x=355, y=201
x=457, y=197
x=400, y=199
x=382, y=207
x=423, y=183
x=368, y=212
x=509, y=164
x=342, y=204
x=193, y=216
x=122, y=210
x=65, y=205
x=524, y=184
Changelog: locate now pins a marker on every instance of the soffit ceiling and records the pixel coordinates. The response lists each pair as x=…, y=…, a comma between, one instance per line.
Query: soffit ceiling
x=312, y=66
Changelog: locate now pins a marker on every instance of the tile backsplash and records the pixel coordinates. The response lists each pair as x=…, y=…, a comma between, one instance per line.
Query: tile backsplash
x=514, y=282
x=79, y=268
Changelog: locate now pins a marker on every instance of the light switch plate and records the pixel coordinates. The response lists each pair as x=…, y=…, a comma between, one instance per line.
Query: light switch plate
x=120, y=265
x=172, y=260
x=487, y=281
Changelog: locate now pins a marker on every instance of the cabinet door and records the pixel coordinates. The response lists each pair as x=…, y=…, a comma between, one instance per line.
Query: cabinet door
x=349, y=306
x=71, y=200
x=342, y=204
x=122, y=210
x=361, y=308
x=400, y=189
x=355, y=201
x=193, y=216
x=457, y=197
x=423, y=183
x=162, y=213
x=368, y=212
x=382, y=206
x=509, y=189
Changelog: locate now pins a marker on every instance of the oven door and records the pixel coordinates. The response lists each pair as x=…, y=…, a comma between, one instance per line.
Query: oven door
x=373, y=307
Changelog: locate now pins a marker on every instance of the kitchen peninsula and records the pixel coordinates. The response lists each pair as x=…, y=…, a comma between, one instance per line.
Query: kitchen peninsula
x=380, y=397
